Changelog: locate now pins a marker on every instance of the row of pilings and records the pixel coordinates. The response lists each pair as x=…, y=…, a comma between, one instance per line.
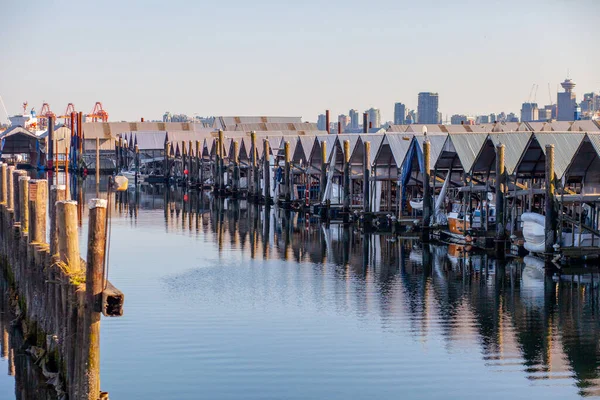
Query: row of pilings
x=58, y=297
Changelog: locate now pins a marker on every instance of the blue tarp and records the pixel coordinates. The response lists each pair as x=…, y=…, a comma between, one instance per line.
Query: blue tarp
x=407, y=167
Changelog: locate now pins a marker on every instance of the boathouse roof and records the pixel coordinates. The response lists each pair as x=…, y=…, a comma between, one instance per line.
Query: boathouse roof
x=532, y=160
x=459, y=151
x=585, y=163
x=229, y=123
x=514, y=146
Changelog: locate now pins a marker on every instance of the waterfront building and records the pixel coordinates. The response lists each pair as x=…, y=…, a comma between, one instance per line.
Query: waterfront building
x=566, y=101
x=427, y=110
x=399, y=114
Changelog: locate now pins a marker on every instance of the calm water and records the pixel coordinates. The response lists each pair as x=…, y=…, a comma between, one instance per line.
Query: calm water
x=235, y=304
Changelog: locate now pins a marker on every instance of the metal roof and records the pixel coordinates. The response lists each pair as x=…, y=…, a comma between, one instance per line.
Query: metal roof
x=565, y=146
x=466, y=146
x=585, y=126
x=595, y=139
x=275, y=126
x=225, y=122
x=154, y=140
x=106, y=130
x=436, y=145
x=303, y=148
x=514, y=145
x=398, y=146
x=339, y=143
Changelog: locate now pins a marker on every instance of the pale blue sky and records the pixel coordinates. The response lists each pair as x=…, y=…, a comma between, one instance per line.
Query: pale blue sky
x=142, y=58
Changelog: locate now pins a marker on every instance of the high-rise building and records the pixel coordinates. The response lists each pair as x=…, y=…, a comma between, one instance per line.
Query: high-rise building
x=427, y=110
x=322, y=122
x=343, y=121
x=457, y=119
x=411, y=117
x=566, y=102
x=493, y=118
x=512, y=117
x=374, y=118
x=399, y=114
x=482, y=119
x=529, y=112
x=354, y=119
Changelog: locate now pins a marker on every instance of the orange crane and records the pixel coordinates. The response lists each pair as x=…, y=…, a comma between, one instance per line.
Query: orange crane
x=67, y=115
x=98, y=113
x=44, y=115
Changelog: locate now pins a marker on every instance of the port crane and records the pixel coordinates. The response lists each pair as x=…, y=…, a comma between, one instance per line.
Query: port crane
x=44, y=115
x=67, y=115
x=98, y=113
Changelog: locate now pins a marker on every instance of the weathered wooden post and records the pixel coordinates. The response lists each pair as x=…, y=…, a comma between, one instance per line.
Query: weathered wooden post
x=323, y=183
x=137, y=162
x=426, y=189
x=57, y=193
x=550, y=214
x=68, y=239
x=3, y=183
x=10, y=196
x=97, y=161
x=183, y=161
x=267, y=170
x=38, y=196
x=16, y=202
x=197, y=158
x=221, y=161
x=236, y=168
x=347, y=197
x=366, y=177
x=190, y=161
x=24, y=203
x=500, y=188
x=255, y=178
x=287, y=175
x=93, y=288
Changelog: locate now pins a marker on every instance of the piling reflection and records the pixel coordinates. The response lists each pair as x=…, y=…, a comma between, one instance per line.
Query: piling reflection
x=519, y=317
x=30, y=381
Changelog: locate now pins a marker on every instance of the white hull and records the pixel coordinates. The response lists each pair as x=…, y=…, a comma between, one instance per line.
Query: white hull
x=534, y=233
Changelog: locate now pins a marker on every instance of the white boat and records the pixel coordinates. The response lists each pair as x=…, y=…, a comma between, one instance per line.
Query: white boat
x=534, y=233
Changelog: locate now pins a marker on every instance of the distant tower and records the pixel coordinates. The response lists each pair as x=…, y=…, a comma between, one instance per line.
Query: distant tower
x=529, y=112
x=427, y=110
x=354, y=119
x=322, y=122
x=566, y=101
x=399, y=114
x=374, y=117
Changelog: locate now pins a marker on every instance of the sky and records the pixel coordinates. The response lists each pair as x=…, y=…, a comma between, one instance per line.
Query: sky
x=262, y=57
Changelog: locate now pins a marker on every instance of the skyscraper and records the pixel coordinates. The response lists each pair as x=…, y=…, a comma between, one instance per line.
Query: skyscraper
x=354, y=119
x=458, y=119
x=529, y=112
x=427, y=111
x=566, y=102
x=374, y=118
x=399, y=114
x=322, y=122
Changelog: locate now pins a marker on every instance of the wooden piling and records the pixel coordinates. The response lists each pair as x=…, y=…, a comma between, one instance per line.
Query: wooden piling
x=267, y=170
x=500, y=189
x=190, y=161
x=347, y=196
x=323, y=182
x=57, y=193
x=255, y=188
x=426, y=189
x=10, y=197
x=94, y=286
x=550, y=221
x=24, y=203
x=197, y=166
x=16, y=193
x=366, y=177
x=137, y=162
x=97, y=161
x=236, y=167
x=3, y=183
x=287, y=176
x=68, y=239
x=38, y=196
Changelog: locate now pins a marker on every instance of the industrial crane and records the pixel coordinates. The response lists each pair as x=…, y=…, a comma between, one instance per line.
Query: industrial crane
x=44, y=115
x=98, y=113
x=67, y=115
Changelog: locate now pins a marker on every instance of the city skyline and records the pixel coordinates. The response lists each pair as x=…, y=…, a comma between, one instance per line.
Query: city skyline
x=121, y=59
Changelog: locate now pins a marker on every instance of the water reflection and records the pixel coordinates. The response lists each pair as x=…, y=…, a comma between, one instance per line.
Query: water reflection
x=522, y=320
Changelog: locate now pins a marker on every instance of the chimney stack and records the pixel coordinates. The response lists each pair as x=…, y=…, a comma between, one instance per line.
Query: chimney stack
x=365, y=122
x=327, y=121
